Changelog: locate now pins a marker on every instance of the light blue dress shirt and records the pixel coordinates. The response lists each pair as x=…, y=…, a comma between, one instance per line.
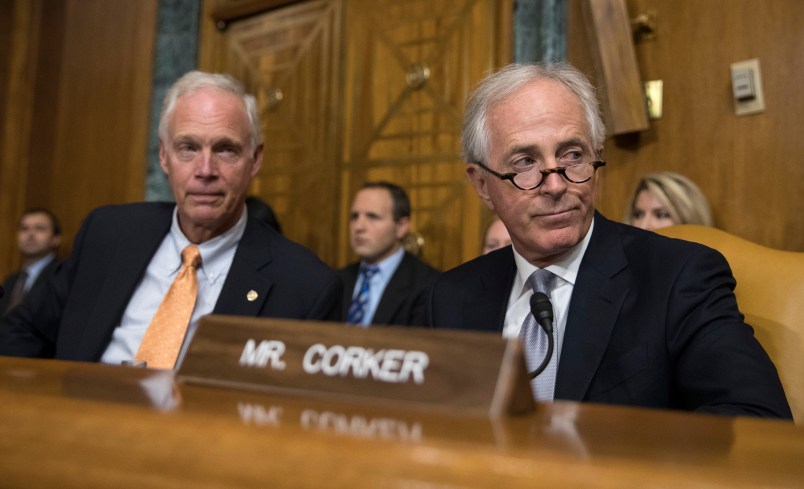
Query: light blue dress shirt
x=34, y=269
x=216, y=259
x=378, y=282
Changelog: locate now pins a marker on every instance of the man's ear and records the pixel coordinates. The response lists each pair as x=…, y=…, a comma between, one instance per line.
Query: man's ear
x=163, y=157
x=402, y=227
x=479, y=182
x=257, y=161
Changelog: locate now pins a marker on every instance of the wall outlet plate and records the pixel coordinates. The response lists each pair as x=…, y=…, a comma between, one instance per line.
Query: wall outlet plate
x=747, y=87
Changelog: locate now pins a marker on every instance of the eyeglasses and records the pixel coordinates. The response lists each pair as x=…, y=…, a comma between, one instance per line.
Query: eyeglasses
x=531, y=179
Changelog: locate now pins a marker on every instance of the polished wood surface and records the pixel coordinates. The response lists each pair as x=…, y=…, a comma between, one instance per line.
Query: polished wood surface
x=82, y=425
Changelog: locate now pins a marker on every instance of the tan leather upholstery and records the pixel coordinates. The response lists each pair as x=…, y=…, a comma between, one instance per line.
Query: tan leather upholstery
x=770, y=293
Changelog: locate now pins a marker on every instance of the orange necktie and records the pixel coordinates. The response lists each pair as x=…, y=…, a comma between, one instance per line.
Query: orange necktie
x=162, y=341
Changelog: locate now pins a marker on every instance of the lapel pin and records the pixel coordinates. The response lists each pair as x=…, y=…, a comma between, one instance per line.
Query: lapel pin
x=252, y=295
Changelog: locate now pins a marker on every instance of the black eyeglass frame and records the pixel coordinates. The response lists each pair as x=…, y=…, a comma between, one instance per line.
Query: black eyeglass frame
x=561, y=170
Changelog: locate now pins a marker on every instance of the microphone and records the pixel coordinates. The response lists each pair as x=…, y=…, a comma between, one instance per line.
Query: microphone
x=542, y=310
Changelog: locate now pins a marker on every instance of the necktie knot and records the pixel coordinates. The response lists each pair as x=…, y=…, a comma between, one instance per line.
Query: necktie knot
x=191, y=256
x=541, y=280
x=369, y=271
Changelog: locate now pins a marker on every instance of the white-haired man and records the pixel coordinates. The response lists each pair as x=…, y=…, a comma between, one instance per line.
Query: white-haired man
x=109, y=301
x=638, y=319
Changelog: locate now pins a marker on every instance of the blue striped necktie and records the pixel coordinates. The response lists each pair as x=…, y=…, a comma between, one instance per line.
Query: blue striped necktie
x=359, y=306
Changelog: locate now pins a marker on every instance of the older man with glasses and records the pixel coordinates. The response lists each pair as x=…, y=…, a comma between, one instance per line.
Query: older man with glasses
x=607, y=312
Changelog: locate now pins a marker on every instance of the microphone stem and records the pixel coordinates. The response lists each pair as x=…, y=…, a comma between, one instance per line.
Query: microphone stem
x=546, y=357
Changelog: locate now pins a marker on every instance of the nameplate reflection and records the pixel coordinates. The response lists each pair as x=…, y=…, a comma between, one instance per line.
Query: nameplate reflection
x=331, y=421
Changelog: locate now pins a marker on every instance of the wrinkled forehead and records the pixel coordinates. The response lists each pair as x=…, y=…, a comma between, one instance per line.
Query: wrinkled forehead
x=209, y=107
x=543, y=107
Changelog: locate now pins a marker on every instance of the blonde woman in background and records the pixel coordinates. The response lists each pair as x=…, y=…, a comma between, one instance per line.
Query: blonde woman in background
x=496, y=236
x=667, y=199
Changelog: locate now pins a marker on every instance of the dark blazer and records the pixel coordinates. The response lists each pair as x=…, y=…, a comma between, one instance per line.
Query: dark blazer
x=404, y=299
x=652, y=322
x=11, y=280
x=74, y=316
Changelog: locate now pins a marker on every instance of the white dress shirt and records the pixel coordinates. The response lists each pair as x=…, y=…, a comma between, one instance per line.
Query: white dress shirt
x=566, y=271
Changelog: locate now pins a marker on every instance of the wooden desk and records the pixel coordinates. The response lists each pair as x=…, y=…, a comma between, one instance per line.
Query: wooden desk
x=81, y=425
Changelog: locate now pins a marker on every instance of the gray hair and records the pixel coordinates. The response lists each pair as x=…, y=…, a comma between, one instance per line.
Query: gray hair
x=678, y=195
x=196, y=80
x=498, y=86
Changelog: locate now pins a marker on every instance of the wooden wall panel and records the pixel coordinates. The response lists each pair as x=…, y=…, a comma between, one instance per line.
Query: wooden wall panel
x=104, y=102
x=18, y=42
x=77, y=101
x=410, y=135
x=747, y=166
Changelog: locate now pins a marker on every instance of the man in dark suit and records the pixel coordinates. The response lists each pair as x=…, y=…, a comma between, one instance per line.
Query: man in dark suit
x=38, y=238
x=396, y=293
x=100, y=304
x=638, y=319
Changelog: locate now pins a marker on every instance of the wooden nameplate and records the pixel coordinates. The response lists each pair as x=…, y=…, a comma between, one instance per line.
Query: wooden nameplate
x=459, y=371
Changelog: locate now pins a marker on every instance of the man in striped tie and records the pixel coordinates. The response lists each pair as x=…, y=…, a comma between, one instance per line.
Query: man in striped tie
x=607, y=313
x=389, y=284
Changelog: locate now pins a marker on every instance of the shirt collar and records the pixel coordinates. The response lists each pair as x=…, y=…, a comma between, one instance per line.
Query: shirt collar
x=565, y=267
x=212, y=251
x=36, y=267
x=388, y=266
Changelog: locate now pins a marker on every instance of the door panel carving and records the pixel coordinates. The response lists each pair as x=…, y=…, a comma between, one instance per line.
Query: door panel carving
x=357, y=90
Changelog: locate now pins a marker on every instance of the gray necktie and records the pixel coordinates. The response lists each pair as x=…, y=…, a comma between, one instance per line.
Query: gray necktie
x=535, y=341
x=18, y=292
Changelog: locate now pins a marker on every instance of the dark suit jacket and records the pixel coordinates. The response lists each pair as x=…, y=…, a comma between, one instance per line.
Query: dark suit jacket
x=404, y=299
x=40, y=281
x=74, y=316
x=652, y=322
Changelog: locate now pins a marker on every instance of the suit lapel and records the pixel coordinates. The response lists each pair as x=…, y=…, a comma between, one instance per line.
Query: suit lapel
x=395, y=292
x=597, y=299
x=349, y=277
x=46, y=272
x=485, y=306
x=125, y=271
x=246, y=288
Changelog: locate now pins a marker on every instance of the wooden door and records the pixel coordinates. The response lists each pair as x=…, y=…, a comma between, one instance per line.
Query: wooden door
x=358, y=90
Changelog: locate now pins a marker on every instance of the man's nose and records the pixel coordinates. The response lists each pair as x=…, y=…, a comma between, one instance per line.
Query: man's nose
x=646, y=222
x=553, y=183
x=207, y=166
